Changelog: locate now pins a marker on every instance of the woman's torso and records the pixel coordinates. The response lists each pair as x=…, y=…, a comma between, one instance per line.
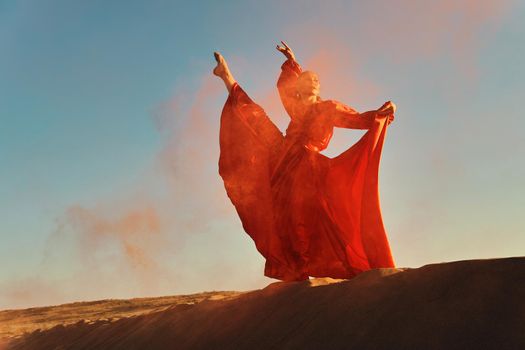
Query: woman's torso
x=311, y=126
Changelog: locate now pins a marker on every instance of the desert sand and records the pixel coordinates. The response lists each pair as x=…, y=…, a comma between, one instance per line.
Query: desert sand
x=471, y=304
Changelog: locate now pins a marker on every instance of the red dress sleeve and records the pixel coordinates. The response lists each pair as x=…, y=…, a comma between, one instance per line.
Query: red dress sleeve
x=344, y=116
x=290, y=71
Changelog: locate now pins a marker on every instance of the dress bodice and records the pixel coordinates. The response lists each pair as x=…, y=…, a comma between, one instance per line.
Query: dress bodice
x=313, y=128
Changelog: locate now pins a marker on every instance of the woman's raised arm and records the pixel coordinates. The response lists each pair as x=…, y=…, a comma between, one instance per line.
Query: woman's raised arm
x=286, y=84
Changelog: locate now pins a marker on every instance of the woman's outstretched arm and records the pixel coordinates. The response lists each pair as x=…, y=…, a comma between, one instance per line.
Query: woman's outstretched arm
x=286, y=84
x=346, y=117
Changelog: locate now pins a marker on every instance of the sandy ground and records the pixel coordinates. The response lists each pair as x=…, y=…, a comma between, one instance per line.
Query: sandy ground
x=471, y=304
x=14, y=323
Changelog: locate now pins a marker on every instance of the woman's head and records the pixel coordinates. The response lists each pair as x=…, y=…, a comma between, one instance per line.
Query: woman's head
x=308, y=84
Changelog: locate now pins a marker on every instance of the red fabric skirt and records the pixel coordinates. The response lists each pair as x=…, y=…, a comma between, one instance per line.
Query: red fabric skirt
x=309, y=215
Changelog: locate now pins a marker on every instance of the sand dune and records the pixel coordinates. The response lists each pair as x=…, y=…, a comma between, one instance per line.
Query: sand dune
x=474, y=304
x=14, y=323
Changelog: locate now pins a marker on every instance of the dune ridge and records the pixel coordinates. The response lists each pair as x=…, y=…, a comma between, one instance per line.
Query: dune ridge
x=457, y=305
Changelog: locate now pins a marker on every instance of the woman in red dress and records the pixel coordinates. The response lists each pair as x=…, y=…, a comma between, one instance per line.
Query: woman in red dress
x=309, y=215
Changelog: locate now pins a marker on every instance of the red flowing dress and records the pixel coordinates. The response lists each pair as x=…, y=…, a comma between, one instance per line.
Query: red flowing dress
x=309, y=215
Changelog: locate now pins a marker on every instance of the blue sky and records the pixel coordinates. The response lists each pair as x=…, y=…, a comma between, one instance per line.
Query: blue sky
x=109, y=108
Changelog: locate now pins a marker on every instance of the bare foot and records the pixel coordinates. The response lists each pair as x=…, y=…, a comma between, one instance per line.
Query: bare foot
x=223, y=72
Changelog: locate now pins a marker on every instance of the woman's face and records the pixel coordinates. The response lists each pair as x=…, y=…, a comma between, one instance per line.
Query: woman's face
x=308, y=84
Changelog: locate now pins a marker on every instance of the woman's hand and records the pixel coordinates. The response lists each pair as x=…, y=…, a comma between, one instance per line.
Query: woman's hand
x=387, y=110
x=286, y=50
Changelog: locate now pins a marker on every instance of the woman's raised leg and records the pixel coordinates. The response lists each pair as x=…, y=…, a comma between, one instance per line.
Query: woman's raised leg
x=223, y=72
